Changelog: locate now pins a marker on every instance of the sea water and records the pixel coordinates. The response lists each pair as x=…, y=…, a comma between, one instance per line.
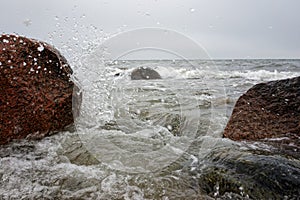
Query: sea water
x=144, y=139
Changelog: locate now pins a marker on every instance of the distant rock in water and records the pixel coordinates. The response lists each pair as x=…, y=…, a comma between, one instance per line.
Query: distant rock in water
x=268, y=110
x=36, y=90
x=144, y=73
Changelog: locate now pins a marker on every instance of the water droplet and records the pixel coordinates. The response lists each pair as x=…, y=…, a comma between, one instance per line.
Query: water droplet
x=169, y=127
x=56, y=18
x=66, y=19
x=192, y=10
x=27, y=22
x=40, y=48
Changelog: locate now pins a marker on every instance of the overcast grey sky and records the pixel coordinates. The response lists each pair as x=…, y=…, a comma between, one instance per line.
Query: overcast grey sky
x=225, y=28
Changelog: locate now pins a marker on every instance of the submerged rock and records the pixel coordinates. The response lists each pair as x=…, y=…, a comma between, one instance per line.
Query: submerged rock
x=144, y=73
x=249, y=175
x=267, y=110
x=75, y=151
x=36, y=90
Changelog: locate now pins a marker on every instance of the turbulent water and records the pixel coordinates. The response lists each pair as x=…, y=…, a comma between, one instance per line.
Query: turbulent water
x=154, y=139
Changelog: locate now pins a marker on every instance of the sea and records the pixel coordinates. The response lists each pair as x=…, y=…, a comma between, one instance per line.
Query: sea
x=155, y=139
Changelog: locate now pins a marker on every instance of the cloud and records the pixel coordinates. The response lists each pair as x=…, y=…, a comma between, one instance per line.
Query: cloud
x=228, y=29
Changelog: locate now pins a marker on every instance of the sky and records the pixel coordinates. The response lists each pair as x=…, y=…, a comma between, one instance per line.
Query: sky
x=224, y=29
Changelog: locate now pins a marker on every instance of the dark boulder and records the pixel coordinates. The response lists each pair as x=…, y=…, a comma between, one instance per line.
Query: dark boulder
x=144, y=73
x=250, y=176
x=269, y=112
x=36, y=90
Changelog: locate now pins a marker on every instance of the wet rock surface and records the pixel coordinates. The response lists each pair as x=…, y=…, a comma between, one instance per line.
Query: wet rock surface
x=144, y=73
x=251, y=176
x=267, y=119
x=36, y=90
x=269, y=112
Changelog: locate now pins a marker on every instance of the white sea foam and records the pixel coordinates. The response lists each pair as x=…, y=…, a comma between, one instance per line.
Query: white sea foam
x=214, y=73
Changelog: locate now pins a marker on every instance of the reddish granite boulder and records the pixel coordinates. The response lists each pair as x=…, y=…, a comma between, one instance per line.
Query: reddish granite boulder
x=36, y=90
x=268, y=110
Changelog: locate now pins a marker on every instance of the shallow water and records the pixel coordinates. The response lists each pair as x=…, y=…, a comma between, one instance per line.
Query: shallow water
x=155, y=139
